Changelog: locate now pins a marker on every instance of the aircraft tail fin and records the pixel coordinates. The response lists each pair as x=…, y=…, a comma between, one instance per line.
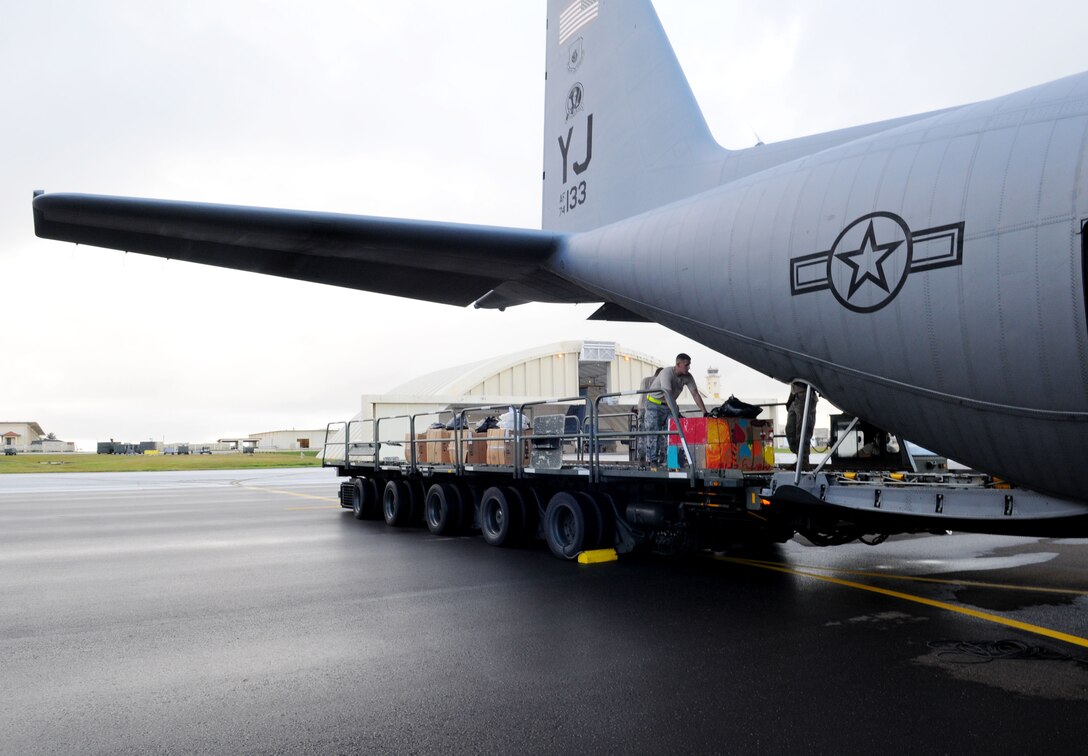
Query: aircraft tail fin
x=622, y=130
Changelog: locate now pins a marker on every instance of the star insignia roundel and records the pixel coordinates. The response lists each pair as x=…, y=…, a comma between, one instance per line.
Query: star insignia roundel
x=871, y=258
x=868, y=258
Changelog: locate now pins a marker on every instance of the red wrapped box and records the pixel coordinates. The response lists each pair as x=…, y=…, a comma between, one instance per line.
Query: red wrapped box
x=695, y=429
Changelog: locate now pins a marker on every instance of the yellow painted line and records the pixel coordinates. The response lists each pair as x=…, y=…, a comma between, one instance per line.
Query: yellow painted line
x=319, y=506
x=1036, y=629
x=917, y=579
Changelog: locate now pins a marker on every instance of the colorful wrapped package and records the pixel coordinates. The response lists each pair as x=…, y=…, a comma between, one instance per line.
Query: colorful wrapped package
x=738, y=444
x=725, y=443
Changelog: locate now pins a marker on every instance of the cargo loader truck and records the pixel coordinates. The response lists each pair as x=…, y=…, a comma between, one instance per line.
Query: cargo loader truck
x=568, y=472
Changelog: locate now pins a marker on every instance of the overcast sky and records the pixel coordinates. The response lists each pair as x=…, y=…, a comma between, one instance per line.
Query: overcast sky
x=422, y=109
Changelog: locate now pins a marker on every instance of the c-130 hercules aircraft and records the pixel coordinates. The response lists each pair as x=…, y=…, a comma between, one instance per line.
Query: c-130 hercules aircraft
x=927, y=273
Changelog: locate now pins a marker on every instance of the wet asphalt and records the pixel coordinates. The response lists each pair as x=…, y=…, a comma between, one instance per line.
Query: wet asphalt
x=245, y=612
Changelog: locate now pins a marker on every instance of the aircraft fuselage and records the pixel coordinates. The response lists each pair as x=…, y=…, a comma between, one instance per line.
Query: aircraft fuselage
x=927, y=278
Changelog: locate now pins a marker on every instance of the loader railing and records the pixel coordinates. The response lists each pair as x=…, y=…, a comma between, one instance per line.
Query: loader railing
x=361, y=443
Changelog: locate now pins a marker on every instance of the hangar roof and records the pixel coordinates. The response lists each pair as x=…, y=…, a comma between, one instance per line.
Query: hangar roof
x=473, y=378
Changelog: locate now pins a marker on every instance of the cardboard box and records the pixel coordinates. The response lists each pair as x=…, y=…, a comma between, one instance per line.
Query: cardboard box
x=477, y=449
x=495, y=446
x=473, y=448
x=501, y=452
x=438, y=446
x=423, y=450
x=430, y=446
x=408, y=449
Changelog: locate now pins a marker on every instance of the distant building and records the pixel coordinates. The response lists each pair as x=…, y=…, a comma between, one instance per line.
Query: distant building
x=289, y=440
x=562, y=369
x=52, y=446
x=233, y=444
x=20, y=435
x=116, y=447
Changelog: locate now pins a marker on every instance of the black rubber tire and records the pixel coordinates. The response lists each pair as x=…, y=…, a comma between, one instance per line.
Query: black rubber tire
x=520, y=509
x=442, y=509
x=374, y=499
x=469, y=503
x=397, y=503
x=500, y=522
x=594, y=520
x=602, y=522
x=565, y=526
x=364, y=500
x=607, y=539
x=418, y=496
x=534, y=512
x=358, y=499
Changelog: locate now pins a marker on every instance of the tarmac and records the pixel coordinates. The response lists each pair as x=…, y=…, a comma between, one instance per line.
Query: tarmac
x=245, y=611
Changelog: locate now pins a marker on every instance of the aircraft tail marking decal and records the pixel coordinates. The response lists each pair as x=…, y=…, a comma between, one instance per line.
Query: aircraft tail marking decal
x=575, y=17
x=615, y=94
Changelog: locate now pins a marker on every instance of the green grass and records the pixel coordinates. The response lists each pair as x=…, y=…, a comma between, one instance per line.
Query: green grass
x=51, y=463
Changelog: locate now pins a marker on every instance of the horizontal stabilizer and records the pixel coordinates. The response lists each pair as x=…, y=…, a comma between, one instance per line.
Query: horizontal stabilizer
x=437, y=262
